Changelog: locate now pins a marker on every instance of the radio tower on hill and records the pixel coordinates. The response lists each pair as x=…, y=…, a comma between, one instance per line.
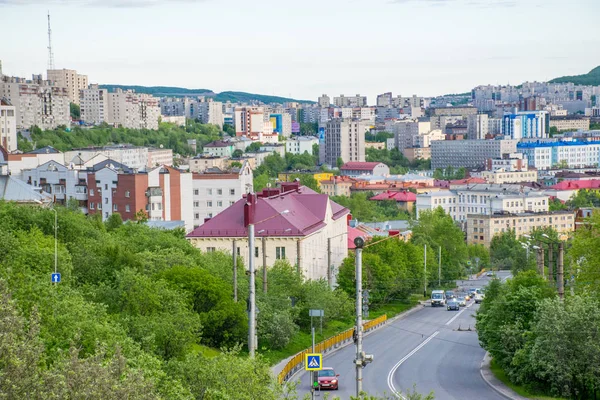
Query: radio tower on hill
x=50, y=54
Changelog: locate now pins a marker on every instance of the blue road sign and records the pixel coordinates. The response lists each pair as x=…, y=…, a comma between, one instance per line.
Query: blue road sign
x=313, y=362
x=55, y=277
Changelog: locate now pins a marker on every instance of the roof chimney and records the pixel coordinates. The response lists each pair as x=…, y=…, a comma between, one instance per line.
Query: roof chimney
x=249, y=209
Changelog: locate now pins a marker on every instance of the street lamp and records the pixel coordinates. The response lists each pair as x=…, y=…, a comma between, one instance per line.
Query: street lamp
x=55, y=235
x=252, y=292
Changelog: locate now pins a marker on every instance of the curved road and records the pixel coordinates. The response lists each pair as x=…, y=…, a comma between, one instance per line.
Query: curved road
x=425, y=349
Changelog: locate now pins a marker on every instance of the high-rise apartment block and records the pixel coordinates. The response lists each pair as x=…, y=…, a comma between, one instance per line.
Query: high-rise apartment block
x=345, y=139
x=468, y=153
x=324, y=101
x=37, y=102
x=477, y=126
x=70, y=79
x=249, y=121
x=93, y=104
x=405, y=132
x=133, y=110
x=525, y=124
x=351, y=101
x=211, y=112
x=8, y=126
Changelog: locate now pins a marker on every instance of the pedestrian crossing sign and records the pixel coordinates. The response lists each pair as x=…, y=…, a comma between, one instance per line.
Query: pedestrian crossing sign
x=313, y=362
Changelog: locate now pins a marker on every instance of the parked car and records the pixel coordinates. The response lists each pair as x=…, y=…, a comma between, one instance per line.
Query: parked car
x=462, y=302
x=450, y=294
x=328, y=379
x=438, y=298
x=453, y=305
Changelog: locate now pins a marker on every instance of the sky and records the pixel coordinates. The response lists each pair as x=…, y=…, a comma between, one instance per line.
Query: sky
x=302, y=49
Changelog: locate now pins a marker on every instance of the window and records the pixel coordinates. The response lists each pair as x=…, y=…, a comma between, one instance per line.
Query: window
x=219, y=204
x=209, y=191
x=209, y=204
x=256, y=252
x=210, y=249
x=106, y=186
x=91, y=192
x=106, y=214
x=127, y=209
x=231, y=203
x=196, y=192
x=91, y=206
x=106, y=200
x=280, y=253
x=114, y=207
x=196, y=216
x=232, y=192
x=219, y=191
x=196, y=204
x=127, y=193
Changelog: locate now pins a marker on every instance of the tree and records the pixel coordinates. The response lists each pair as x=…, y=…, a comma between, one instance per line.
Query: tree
x=315, y=150
x=339, y=162
x=141, y=217
x=556, y=205
x=237, y=153
x=236, y=164
x=506, y=252
x=307, y=129
x=584, y=255
x=253, y=147
x=114, y=221
x=230, y=130
x=75, y=111
x=553, y=131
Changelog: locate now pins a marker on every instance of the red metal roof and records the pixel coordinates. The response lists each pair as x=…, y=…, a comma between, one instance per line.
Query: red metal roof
x=307, y=211
x=359, y=165
x=397, y=196
x=576, y=185
x=353, y=233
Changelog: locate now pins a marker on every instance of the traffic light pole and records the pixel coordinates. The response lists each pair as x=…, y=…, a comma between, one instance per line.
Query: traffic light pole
x=359, y=333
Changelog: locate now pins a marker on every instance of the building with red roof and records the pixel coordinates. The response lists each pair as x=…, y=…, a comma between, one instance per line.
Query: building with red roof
x=404, y=199
x=358, y=168
x=292, y=222
x=566, y=189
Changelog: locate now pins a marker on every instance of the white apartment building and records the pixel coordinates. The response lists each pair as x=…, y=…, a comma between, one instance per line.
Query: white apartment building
x=468, y=153
x=158, y=157
x=214, y=192
x=485, y=199
x=133, y=110
x=575, y=154
x=301, y=144
x=37, y=102
x=59, y=181
x=93, y=104
x=351, y=101
x=405, y=132
x=211, y=112
x=17, y=162
x=425, y=139
x=134, y=157
x=8, y=126
x=477, y=126
x=324, y=101
x=70, y=79
x=345, y=139
x=249, y=121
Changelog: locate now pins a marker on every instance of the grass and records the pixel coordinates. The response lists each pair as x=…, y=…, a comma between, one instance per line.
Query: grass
x=205, y=350
x=303, y=339
x=521, y=390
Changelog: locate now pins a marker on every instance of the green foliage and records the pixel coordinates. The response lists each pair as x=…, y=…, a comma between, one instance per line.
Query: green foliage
x=506, y=252
x=114, y=222
x=366, y=210
x=274, y=164
x=478, y=252
x=584, y=198
x=228, y=129
x=556, y=205
x=75, y=111
x=591, y=78
x=438, y=229
x=309, y=129
x=253, y=147
x=450, y=173
x=553, y=131
x=159, y=90
x=23, y=144
x=243, y=97
x=167, y=135
x=584, y=255
x=395, y=159
x=339, y=162
x=380, y=137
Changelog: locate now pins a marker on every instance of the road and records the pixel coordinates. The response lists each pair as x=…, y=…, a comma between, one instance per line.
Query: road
x=425, y=349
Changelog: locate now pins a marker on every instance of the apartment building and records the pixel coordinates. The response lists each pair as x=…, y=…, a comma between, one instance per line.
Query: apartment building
x=163, y=193
x=15, y=163
x=468, y=153
x=485, y=199
x=172, y=106
x=345, y=139
x=37, y=102
x=214, y=192
x=453, y=110
x=338, y=186
x=218, y=148
x=133, y=110
x=203, y=162
x=249, y=121
x=8, y=126
x=160, y=156
x=525, y=124
x=69, y=79
x=477, y=126
x=301, y=144
x=424, y=140
x=93, y=105
x=135, y=157
x=350, y=101
x=324, y=101
x=570, y=123
x=405, y=132
x=312, y=234
x=211, y=112
x=414, y=153
x=355, y=168
x=482, y=228
x=573, y=154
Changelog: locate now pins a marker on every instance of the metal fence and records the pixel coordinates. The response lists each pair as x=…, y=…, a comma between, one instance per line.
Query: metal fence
x=325, y=347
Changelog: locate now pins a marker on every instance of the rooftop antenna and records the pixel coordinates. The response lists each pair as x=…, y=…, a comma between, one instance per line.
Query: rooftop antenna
x=50, y=54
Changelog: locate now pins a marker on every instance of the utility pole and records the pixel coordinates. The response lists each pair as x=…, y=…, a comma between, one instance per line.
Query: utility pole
x=55, y=229
x=235, y=297
x=358, y=328
x=264, y=257
x=440, y=267
x=252, y=293
x=560, y=272
x=329, y=271
x=425, y=275
x=550, y=259
x=540, y=260
x=312, y=373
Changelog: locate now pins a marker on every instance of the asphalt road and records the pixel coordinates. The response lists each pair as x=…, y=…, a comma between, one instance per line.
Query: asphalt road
x=425, y=349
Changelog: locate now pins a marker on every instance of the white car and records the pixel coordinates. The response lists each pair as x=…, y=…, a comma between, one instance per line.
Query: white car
x=479, y=298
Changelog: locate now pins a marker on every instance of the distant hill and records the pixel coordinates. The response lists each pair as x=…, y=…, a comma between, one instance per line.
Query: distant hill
x=223, y=96
x=591, y=78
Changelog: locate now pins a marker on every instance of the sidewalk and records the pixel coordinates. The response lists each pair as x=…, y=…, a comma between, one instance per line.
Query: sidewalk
x=276, y=369
x=495, y=383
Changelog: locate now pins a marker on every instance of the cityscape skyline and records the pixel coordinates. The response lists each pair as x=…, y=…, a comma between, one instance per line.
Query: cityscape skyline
x=450, y=44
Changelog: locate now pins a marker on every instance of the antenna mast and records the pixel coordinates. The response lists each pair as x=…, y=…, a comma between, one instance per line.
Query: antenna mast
x=50, y=54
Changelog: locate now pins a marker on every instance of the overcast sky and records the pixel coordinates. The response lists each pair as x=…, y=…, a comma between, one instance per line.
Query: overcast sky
x=304, y=48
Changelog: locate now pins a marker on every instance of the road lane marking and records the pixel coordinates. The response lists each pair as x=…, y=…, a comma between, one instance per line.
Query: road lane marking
x=458, y=314
x=390, y=377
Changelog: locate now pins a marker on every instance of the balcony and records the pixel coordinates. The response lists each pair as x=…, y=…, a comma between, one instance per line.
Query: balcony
x=154, y=191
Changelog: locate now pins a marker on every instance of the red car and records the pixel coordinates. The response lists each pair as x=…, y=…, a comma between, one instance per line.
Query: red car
x=327, y=379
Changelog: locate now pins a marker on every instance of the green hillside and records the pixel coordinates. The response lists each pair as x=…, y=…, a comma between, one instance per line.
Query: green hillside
x=591, y=78
x=223, y=96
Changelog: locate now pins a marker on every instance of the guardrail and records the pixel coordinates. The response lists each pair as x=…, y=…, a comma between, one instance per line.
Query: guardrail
x=325, y=347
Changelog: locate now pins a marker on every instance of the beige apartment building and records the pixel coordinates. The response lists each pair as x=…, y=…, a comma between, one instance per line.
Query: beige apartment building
x=482, y=228
x=93, y=103
x=570, y=123
x=69, y=79
x=8, y=126
x=414, y=153
x=133, y=110
x=501, y=177
x=345, y=139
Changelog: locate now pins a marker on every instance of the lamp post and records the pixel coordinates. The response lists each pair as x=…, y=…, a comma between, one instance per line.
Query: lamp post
x=252, y=285
x=55, y=240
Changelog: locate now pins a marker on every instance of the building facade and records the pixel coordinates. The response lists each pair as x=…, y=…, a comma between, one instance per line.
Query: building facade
x=133, y=110
x=468, y=153
x=572, y=154
x=525, y=124
x=8, y=126
x=301, y=144
x=355, y=168
x=93, y=105
x=572, y=123
x=69, y=79
x=345, y=139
